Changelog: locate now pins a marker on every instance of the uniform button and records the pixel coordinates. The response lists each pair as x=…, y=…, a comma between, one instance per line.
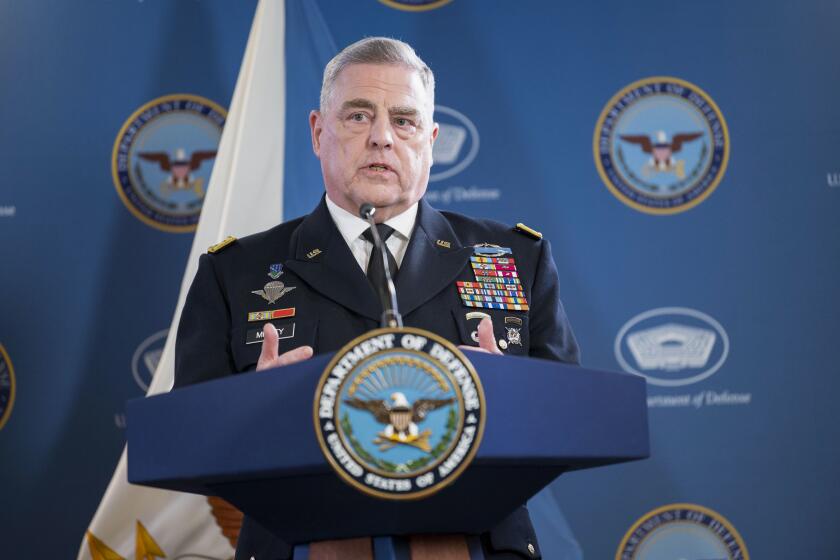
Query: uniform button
x=531, y=549
x=503, y=344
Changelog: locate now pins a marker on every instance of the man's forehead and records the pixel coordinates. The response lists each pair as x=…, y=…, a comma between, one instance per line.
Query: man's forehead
x=391, y=85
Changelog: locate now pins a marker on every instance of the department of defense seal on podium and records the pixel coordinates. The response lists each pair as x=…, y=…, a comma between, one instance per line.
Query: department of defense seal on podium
x=399, y=413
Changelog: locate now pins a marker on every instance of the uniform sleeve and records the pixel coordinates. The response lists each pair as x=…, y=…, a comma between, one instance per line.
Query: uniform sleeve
x=202, y=348
x=551, y=334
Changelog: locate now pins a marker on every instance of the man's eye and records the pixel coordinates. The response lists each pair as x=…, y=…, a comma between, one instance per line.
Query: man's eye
x=358, y=117
x=401, y=121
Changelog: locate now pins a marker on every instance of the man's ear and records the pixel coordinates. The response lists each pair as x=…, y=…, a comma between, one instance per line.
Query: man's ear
x=315, y=127
x=433, y=137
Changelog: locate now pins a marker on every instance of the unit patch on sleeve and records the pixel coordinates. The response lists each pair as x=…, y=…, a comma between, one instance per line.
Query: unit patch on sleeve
x=496, y=283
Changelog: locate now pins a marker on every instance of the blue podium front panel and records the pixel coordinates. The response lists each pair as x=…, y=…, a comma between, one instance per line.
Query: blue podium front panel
x=250, y=439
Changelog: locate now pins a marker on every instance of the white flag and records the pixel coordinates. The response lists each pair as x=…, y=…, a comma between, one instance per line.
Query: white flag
x=245, y=196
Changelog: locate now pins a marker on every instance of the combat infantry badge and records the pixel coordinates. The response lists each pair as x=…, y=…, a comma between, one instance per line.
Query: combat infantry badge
x=399, y=413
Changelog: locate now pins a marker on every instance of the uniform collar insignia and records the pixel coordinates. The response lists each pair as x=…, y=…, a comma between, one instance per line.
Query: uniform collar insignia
x=316, y=237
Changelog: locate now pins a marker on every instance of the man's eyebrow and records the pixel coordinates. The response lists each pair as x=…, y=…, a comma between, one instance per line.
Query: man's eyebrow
x=358, y=103
x=403, y=110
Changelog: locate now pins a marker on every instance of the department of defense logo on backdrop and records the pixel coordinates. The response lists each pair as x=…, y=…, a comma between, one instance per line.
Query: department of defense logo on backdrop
x=456, y=145
x=682, y=531
x=399, y=413
x=146, y=358
x=672, y=346
x=7, y=386
x=415, y=5
x=661, y=145
x=162, y=159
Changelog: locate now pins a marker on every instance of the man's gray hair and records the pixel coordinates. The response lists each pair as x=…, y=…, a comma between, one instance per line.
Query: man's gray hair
x=376, y=50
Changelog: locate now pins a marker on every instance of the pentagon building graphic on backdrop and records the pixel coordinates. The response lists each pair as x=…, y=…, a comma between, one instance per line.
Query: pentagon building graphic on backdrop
x=449, y=142
x=672, y=347
x=146, y=358
x=456, y=145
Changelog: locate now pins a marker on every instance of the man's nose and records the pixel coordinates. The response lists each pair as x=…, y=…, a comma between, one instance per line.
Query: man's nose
x=380, y=134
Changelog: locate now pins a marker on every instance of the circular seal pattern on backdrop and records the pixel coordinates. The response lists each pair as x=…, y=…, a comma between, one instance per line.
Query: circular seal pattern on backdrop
x=399, y=413
x=661, y=145
x=162, y=159
x=7, y=386
x=415, y=5
x=682, y=531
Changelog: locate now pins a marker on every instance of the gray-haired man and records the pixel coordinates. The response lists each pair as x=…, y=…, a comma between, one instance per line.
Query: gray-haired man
x=374, y=134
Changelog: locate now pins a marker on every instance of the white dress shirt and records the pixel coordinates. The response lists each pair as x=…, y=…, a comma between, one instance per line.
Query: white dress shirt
x=352, y=227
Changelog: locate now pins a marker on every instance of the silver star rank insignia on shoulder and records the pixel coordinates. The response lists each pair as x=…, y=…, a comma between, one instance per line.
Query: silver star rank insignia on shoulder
x=273, y=291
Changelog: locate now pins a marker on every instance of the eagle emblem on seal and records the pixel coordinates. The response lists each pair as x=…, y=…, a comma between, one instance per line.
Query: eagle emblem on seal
x=662, y=151
x=400, y=419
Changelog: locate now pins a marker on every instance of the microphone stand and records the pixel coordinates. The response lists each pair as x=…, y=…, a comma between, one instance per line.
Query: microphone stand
x=387, y=294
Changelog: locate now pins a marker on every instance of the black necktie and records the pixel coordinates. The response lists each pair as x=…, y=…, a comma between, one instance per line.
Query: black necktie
x=375, y=270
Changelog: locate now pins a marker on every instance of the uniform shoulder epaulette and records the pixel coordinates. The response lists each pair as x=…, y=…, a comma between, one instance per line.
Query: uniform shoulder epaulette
x=221, y=244
x=522, y=228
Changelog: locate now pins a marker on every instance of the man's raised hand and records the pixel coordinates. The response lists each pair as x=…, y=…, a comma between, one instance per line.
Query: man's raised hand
x=269, y=357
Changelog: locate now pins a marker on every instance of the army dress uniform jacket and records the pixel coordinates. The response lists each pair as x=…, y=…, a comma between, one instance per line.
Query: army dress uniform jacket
x=333, y=303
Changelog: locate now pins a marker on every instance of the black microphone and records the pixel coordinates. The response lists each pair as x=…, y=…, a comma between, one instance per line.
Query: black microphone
x=387, y=294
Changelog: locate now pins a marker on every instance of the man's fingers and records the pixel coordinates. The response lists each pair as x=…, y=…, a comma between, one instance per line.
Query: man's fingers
x=297, y=355
x=268, y=355
x=486, y=338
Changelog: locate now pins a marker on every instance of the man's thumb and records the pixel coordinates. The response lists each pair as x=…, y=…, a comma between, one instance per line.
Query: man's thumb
x=486, y=338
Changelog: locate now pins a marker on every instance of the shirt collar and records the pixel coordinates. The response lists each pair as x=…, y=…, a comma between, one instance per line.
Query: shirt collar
x=351, y=227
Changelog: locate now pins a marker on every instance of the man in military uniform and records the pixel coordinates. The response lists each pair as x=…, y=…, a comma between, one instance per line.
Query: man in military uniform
x=303, y=287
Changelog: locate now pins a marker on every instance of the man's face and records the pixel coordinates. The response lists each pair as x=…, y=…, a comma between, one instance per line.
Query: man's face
x=374, y=138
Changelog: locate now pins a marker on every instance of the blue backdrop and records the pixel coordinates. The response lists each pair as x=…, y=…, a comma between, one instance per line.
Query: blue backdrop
x=729, y=306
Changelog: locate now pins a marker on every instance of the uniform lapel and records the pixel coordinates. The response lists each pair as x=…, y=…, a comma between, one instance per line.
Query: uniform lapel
x=324, y=261
x=429, y=266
